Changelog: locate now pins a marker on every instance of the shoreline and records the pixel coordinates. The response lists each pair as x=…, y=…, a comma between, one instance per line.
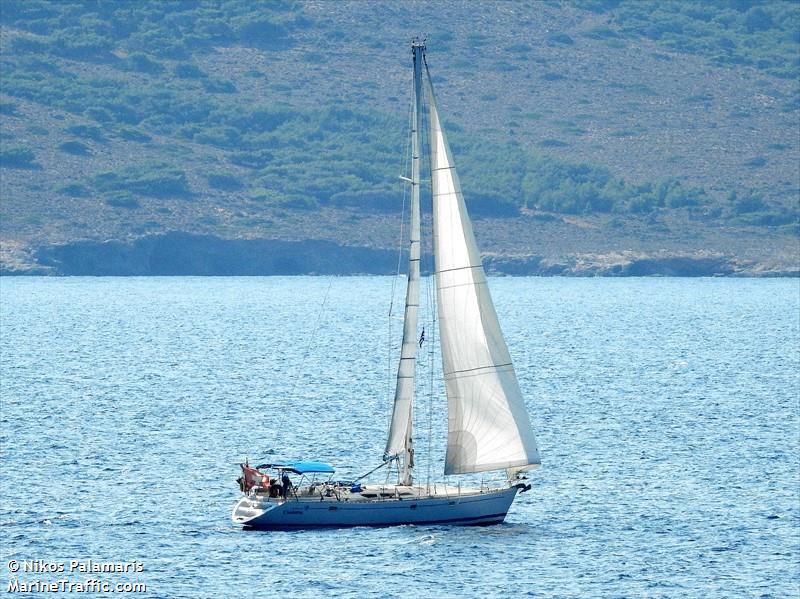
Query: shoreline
x=185, y=254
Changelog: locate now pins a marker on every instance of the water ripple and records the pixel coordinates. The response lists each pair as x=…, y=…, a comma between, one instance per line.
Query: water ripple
x=666, y=410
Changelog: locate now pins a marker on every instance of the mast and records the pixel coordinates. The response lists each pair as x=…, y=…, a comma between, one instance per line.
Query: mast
x=400, y=442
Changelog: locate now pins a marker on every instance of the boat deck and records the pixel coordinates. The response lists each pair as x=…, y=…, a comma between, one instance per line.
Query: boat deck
x=370, y=493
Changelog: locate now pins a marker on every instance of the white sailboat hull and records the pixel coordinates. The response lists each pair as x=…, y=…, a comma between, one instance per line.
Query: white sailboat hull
x=474, y=508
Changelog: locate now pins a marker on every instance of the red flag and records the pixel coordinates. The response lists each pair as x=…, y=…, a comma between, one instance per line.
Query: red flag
x=252, y=477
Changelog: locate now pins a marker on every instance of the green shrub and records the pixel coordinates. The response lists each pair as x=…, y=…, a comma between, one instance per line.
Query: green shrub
x=552, y=143
x=122, y=200
x=223, y=181
x=99, y=114
x=475, y=38
x=481, y=204
x=257, y=159
x=259, y=194
x=75, y=148
x=791, y=229
x=17, y=157
x=263, y=33
x=373, y=200
x=757, y=19
x=8, y=108
x=769, y=218
x=748, y=202
x=601, y=33
x=74, y=190
x=223, y=137
x=505, y=67
x=315, y=58
x=217, y=86
x=141, y=62
x=186, y=70
x=76, y=43
x=28, y=45
x=519, y=48
x=133, y=135
x=560, y=38
x=680, y=198
x=297, y=202
x=641, y=204
x=624, y=133
x=159, y=42
x=756, y=162
x=154, y=180
x=87, y=132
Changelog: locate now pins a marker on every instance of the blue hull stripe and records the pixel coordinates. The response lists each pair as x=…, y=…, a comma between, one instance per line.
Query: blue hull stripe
x=493, y=519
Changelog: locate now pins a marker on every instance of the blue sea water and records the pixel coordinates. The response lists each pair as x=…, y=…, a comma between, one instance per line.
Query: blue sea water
x=667, y=413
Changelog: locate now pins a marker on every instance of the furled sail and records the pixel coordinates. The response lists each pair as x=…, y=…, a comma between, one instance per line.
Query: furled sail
x=488, y=425
x=400, y=440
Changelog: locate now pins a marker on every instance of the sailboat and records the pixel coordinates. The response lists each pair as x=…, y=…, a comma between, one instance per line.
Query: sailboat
x=488, y=425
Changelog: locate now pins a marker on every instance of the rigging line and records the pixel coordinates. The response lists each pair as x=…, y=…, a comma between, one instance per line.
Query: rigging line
x=431, y=354
x=405, y=160
x=424, y=254
x=311, y=342
x=431, y=351
x=431, y=303
x=385, y=462
x=404, y=190
x=404, y=166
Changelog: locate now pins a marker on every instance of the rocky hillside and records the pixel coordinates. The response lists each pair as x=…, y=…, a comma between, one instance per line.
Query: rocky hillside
x=597, y=137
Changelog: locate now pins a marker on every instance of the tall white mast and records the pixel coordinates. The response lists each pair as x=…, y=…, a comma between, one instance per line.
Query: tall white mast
x=400, y=442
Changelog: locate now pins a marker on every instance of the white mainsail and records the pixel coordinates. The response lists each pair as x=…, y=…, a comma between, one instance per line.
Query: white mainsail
x=400, y=442
x=488, y=425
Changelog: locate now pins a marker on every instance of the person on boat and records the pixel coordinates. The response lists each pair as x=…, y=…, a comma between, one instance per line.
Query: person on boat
x=287, y=484
x=275, y=488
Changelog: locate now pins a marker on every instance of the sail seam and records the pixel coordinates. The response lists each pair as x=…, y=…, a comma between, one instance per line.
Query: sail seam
x=491, y=366
x=454, y=285
x=459, y=268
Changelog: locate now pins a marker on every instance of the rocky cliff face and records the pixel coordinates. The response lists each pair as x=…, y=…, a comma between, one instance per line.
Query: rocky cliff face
x=188, y=254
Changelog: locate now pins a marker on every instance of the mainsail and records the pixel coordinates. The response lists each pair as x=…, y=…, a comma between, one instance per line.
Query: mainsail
x=488, y=426
x=400, y=442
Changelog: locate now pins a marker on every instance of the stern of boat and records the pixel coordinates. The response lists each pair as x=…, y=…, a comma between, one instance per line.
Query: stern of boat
x=248, y=509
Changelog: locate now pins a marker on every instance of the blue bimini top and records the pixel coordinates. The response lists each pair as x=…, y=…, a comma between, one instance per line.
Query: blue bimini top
x=303, y=467
x=309, y=467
